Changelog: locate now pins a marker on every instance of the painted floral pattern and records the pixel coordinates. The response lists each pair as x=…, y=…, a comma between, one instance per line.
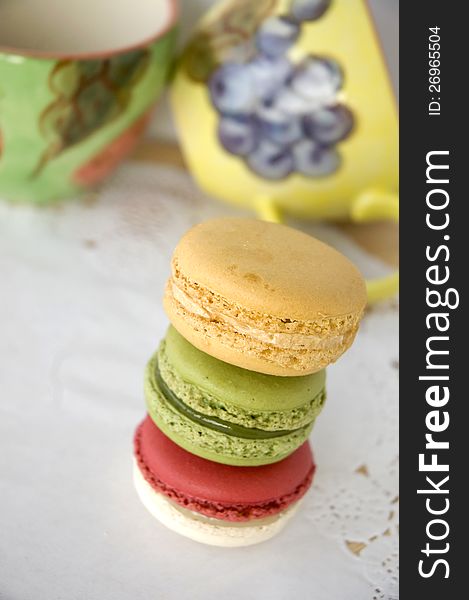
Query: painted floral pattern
x=100, y=165
x=88, y=95
x=228, y=36
x=278, y=114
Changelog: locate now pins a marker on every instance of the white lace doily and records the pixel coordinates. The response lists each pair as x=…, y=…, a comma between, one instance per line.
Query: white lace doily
x=80, y=307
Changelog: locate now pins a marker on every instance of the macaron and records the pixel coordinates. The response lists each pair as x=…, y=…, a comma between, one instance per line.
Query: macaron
x=226, y=414
x=264, y=296
x=213, y=503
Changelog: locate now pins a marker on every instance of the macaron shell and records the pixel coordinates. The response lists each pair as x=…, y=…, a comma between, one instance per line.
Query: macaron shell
x=280, y=484
x=271, y=268
x=231, y=348
x=264, y=297
x=214, y=445
x=235, y=395
x=206, y=530
x=243, y=453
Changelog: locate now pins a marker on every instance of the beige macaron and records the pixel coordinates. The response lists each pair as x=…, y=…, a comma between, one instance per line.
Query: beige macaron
x=263, y=296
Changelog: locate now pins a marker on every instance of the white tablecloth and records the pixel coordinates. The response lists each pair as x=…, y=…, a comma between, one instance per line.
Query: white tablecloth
x=80, y=313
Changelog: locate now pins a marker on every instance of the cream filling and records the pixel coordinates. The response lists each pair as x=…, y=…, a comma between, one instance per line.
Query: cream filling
x=208, y=530
x=283, y=340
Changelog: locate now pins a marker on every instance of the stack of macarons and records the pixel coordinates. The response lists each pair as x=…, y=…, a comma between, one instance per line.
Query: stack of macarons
x=258, y=310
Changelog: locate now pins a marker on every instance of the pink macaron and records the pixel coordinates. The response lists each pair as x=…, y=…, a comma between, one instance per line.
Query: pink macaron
x=216, y=503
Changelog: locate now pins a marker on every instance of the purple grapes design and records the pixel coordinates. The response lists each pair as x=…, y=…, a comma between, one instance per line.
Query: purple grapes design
x=282, y=117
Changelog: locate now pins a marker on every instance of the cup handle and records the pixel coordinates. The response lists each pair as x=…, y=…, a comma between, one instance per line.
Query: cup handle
x=267, y=210
x=376, y=205
x=372, y=205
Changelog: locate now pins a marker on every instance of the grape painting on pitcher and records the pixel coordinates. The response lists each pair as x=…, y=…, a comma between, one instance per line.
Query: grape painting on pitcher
x=278, y=114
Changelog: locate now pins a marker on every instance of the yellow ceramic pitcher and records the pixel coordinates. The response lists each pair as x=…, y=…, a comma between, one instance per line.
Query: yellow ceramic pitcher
x=285, y=106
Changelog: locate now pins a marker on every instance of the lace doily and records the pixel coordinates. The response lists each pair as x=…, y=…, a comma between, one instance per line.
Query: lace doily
x=81, y=313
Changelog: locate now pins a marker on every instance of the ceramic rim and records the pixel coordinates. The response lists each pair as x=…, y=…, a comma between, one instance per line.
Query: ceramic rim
x=172, y=18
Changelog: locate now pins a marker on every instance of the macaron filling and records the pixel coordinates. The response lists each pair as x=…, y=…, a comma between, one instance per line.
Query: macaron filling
x=210, y=421
x=278, y=339
x=212, y=444
x=233, y=395
x=208, y=530
x=216, y=521
x=226, y=414
x=279, y=345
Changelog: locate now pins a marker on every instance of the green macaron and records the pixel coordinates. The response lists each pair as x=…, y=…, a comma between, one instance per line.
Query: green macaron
x=227, y=414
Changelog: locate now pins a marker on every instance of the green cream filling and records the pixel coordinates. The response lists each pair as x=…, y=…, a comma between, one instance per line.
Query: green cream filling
x=203, y=402
x=213, y=444
x=209, y=421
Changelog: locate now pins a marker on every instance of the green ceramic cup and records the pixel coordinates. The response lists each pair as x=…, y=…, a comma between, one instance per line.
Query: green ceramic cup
x=78, y=80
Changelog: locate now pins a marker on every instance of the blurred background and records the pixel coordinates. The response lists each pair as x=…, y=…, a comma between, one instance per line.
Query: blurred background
x=81, y=284
x=385, y=14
